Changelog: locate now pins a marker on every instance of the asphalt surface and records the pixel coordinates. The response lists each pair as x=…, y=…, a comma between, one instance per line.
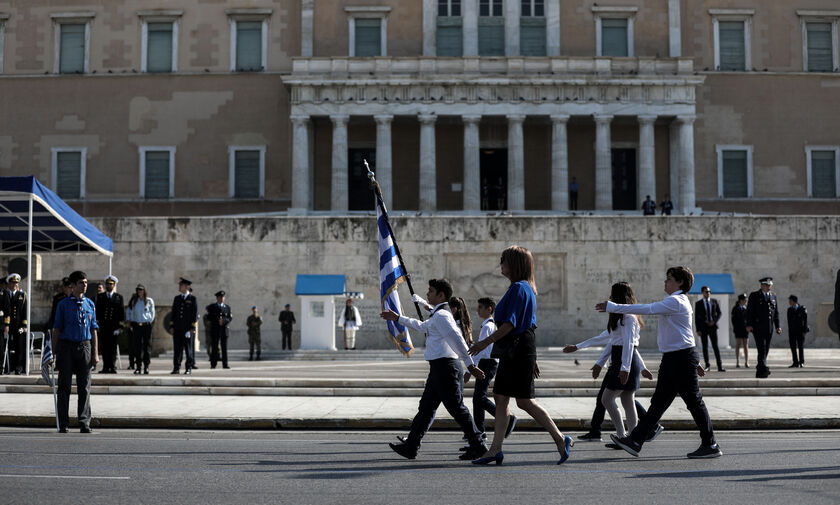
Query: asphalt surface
x=302, y=467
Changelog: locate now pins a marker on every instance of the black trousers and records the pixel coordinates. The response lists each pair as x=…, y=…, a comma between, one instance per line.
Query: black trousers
x=600, y=410
x=184, y=348
x=17, y=342
x=443, y=385
x=108, y=345
x=7, y=346
x=481, y=403
x=73, y=358
x=215, y=340
x=707, y=334
x=797, y=342
x=287, y=339
x=142, y=343
x=677, y=376
x=762, y=347
x=573, y=199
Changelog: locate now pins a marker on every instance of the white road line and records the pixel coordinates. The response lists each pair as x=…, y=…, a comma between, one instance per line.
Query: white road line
x=14, y=475
x=17, y=453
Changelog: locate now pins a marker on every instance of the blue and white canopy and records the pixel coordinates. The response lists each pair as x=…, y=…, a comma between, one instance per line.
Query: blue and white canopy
x=55, y=226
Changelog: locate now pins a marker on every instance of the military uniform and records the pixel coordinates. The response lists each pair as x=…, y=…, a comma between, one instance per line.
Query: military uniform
x=110, y=315
x=219, y=316
x=17, y=323
x=4, y=318
x=797, y=318
x=183, y=327
x=254, y=340
x=287, y=319
x=763, y=317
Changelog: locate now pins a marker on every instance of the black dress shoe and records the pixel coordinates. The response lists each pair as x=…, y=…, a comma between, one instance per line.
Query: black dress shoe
x=175, y=372
x=194, y=367
x=146, y=372
x=707, y=367
x=63, y=429
x=401, y=438
x=721, y=369
x=137, y=372
x=226, y=367
x=188, y=372
x=628, y=444
x=473, y=452
x=404, y=450
x=85, y=429
x=795, y=365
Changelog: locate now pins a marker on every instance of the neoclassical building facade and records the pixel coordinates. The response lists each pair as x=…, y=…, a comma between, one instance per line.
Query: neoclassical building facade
x=228, y=107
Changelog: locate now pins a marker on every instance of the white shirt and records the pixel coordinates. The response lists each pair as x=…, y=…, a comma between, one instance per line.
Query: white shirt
x=608, y=339
x=487, y=329
x=443, y=337
x=142, y=312
x=350, y=325
x=675, y=331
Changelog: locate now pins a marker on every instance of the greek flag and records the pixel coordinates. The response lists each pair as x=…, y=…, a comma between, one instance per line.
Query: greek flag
x=391, y=275
x=47, y=360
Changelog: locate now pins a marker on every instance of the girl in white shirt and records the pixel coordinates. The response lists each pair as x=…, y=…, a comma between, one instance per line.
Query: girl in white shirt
x=622, y=379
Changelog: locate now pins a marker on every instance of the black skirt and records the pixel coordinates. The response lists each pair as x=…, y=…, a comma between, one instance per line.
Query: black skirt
x=515, y=375
x=612, y=380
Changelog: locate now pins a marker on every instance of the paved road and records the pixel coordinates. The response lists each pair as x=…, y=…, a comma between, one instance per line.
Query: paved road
x=204, y=467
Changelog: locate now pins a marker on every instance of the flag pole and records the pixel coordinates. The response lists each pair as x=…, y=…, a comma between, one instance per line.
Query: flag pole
x=55, y=397
x=378, y=192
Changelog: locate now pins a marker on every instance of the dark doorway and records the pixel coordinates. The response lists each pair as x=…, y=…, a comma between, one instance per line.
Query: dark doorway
x=493, y=179
x=624, y=179
x=360, y=196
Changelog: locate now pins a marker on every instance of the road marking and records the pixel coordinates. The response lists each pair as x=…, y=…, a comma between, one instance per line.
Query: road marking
x=121, y=456
x=14, y=475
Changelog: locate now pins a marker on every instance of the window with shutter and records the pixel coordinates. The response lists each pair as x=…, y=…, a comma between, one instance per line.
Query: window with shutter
x=450, y=38
x=732, y=48
x=820, y=57
x=68, y=182
x=249, y=46
x=368, y=37
x=157, y=174
x=823, y=174
x=247, y=174
x=72, y=49
x=159, y=47
x=532, y=36
x=735, y=179
x=614, y=37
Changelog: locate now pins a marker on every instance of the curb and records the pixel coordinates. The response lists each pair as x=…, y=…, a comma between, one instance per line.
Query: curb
x=392, y=423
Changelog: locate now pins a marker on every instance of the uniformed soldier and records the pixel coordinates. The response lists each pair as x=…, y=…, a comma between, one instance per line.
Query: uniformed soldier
x=183, y=326
x=762, y=320
x=219, y=316
x=4, y=338
x=254, y=322
x=16, y=324
x=110, y=316
x=797, y=317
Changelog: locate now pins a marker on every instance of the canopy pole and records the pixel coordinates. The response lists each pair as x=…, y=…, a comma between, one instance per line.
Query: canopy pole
x=28, y=286
x=110, y=261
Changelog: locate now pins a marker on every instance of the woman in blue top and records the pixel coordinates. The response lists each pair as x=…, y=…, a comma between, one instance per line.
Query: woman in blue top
x=516, y=317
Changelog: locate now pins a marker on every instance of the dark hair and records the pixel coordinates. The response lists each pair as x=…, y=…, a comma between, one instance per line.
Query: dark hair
x=621, y=293
x=66, y=282
x=463, y=317
x=682, y=275
x=77, y=276
x=704, y=288
x=520, y=263
x=134, y=298
x=487, y=302
x=742, y=296
x=441, y=286
x=794, y=298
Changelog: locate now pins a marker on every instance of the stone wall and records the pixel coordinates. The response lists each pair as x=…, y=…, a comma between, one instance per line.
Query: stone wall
x=256, y=259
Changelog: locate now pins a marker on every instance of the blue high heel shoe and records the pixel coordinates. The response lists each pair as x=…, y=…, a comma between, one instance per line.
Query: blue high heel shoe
x=498, y=458
x=567, y=449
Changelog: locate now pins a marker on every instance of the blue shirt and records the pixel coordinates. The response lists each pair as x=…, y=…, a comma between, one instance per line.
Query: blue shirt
x=75, y=318
x=518, y=307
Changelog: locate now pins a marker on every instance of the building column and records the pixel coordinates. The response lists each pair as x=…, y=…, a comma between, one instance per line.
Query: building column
x=647, y=159
x=552, y=28
x=512, y=13
x=472, y=164
x=674, y=162
x=674, y=29
x=340, y=185
x=603, y=163
x=429, y=28
x=428, y=163
x=301, y=190
x=307, y=20
x=469, y=33
x=516, y=163
x=687, y=196
x=559, y=163
x=383, y=157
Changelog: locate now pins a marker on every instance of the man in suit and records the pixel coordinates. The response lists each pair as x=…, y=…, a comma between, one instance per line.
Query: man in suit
x=182, y=327
x=16, y=325
x=287, y=319
x=110, y=315
x=762, y=320
x=797, y=318
x=706, y=316
x=219, y=316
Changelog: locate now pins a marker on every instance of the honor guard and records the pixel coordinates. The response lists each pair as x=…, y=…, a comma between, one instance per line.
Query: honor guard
x=219, y=316
x=253, y=323
x=4, y=313
x=15, y=325
x=110, y=315
x=183, y=326
x=762, y=320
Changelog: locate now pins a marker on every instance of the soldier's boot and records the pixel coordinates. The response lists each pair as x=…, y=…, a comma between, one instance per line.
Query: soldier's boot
x=251, y=356
x=258, y=355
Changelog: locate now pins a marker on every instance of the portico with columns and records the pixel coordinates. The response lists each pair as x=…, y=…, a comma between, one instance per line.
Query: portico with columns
x=416, y=112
